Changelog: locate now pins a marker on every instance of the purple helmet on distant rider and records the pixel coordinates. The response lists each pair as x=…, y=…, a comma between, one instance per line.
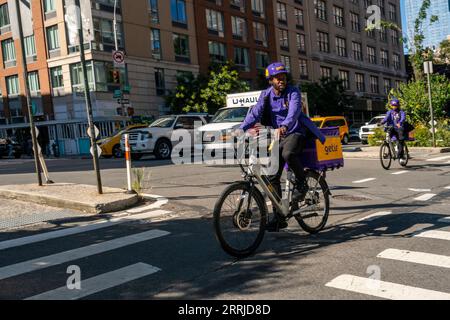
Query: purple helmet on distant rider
x=275, y=69
x=395, y=103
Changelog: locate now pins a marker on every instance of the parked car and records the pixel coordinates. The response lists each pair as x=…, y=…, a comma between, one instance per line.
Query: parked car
x=369, y=129
x=7, y=146
x=111, y=145
x=156, y=138
x=337, y=121
x=354, y=133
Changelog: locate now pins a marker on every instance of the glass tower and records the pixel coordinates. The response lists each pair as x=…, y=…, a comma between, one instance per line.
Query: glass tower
x=438, y=31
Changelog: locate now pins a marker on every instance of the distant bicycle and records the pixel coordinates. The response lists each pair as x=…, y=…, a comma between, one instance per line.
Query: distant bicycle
x=241, y=214
x=389, y=151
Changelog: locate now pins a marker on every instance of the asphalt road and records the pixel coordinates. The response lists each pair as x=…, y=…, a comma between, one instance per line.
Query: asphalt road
x=387, y=237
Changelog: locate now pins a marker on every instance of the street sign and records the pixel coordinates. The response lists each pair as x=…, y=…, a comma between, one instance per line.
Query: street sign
x=118, y=57
x=99, y=150
x=123, y=101
x=97, y=132
x=428, y=67
x=431, y=123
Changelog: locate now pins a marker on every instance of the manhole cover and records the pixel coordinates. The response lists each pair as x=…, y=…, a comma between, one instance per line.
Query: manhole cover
x=351, y=198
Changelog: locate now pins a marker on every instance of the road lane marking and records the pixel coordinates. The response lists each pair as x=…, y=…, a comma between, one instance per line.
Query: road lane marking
x=439, y=159
x=375, y=215
x=400, y=172
x=419, y=190
x=364, y=180
x=416, y=257
x=99, y=283
x=62, y=257
x=445, y=220
x=383, y=289
x=434, y=234
x=75, y=230
x=425, y=197
x=447, y=188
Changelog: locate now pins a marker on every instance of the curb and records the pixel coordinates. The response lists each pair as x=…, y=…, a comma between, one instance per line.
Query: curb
x=160, y=201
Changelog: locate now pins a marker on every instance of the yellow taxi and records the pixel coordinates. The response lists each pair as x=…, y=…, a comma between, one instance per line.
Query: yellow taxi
x=337, y=121
x=111, y=146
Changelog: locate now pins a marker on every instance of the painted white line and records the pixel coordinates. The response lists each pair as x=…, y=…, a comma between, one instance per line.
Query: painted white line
x=99, y=283
x=445, y=220
x=419, y=190
x=375, y=215
x=400, y=172
x=75, y=230
x=425, y=197
x=383, y=289
x=428, y=259
x=447, y=188
x=434, y=234
x=58, y=258
x=439, y=159
x=365, y=180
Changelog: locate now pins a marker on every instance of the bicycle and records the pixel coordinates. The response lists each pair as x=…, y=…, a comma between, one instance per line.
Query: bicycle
x=389, y=151
x=241, y=211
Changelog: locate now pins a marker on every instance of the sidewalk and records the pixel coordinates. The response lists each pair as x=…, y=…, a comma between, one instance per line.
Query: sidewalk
x=71, y=196
x=374, y=152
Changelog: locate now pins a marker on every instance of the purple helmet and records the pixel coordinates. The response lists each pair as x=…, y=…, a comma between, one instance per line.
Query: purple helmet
x=274, y=69
x=395, y=103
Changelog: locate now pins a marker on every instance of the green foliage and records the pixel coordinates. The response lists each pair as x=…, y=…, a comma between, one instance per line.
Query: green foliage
x=205, y=93
x=141, y=180
x=328, y=97
x=414, y=99
x=422, y=137
x=377, y=138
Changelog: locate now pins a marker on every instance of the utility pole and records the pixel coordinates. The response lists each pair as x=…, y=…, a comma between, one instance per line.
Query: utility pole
x=428, y=68
x=28, y=96
x=122, y=106
x=88, y=102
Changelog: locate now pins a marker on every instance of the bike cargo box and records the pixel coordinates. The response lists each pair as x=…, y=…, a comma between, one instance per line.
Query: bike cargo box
x=321, y=157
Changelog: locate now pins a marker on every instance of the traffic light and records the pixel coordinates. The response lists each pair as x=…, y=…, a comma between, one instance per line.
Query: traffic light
x=116, y=76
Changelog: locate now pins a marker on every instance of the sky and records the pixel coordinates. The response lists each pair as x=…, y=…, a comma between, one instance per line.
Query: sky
x=402, y=10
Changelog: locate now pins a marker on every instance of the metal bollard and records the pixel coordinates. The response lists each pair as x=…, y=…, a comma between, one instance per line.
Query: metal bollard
x=128, y=161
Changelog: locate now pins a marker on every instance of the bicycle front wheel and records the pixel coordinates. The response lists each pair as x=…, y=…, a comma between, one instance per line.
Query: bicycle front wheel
x=405, y=159
x=240, y=217
x=385, y=156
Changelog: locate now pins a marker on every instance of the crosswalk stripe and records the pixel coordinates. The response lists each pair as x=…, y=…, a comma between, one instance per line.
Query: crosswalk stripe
x=434, y=234
x=75, y=230
x=364, y=180
x=439, y=159
x=425, y=197
x=419, y=190
x=416, y=257
x=383, y=289
x=59, y=258
x=400, y=172
x=376, y=215
x=99, y=283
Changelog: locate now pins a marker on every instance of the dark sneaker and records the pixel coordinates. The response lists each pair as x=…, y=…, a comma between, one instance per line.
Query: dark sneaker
x=276, y=225
x=302, y=189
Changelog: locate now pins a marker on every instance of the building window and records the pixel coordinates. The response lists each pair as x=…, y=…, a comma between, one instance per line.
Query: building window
x=360, y=83
x=323, y=41
x=238, y=4
x=217, y=52
x=395, y=37
x=397, y=64
x=383, y=34
x=287, y=62
x=262, y=60
x=301, y=43
x=104, y=34
x=178, y=11
x=181, y=47
x=344, y=77
x=30, y=46
x=357, y=51
x=4, y=16
x=374, y=88
x=56, y=76
x=214, y=22
x=299, y=18
x=160, y=83
x=341, y=47
x=320, y=9
x=12, y=85
x=303, y=63
x=338, y=13
x=260, y=33
x=258, y=8
x=371, y=55
x=239, y=28
x=241, y=59
x=281, y=12
x=33, y=82
x=385, y=58
x=52, y=38
x=9, y=53
x=154, y=12
x=387, y=86
x=76, y=76
x=392, y=12
x=49, y=6
x=356, y=25
x=284, y=39
x=155, y=39
x=325, y=72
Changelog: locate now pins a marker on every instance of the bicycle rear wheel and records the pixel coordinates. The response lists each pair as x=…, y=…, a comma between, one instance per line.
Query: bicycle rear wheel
x=240, y=217
x=315, y=208
x=385, y=156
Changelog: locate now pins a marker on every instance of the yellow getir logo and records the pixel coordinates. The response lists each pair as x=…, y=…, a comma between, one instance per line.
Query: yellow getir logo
x=332, y=149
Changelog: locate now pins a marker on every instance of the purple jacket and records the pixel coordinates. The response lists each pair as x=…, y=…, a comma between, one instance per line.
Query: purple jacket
x=286, y=111
x=394, y=117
